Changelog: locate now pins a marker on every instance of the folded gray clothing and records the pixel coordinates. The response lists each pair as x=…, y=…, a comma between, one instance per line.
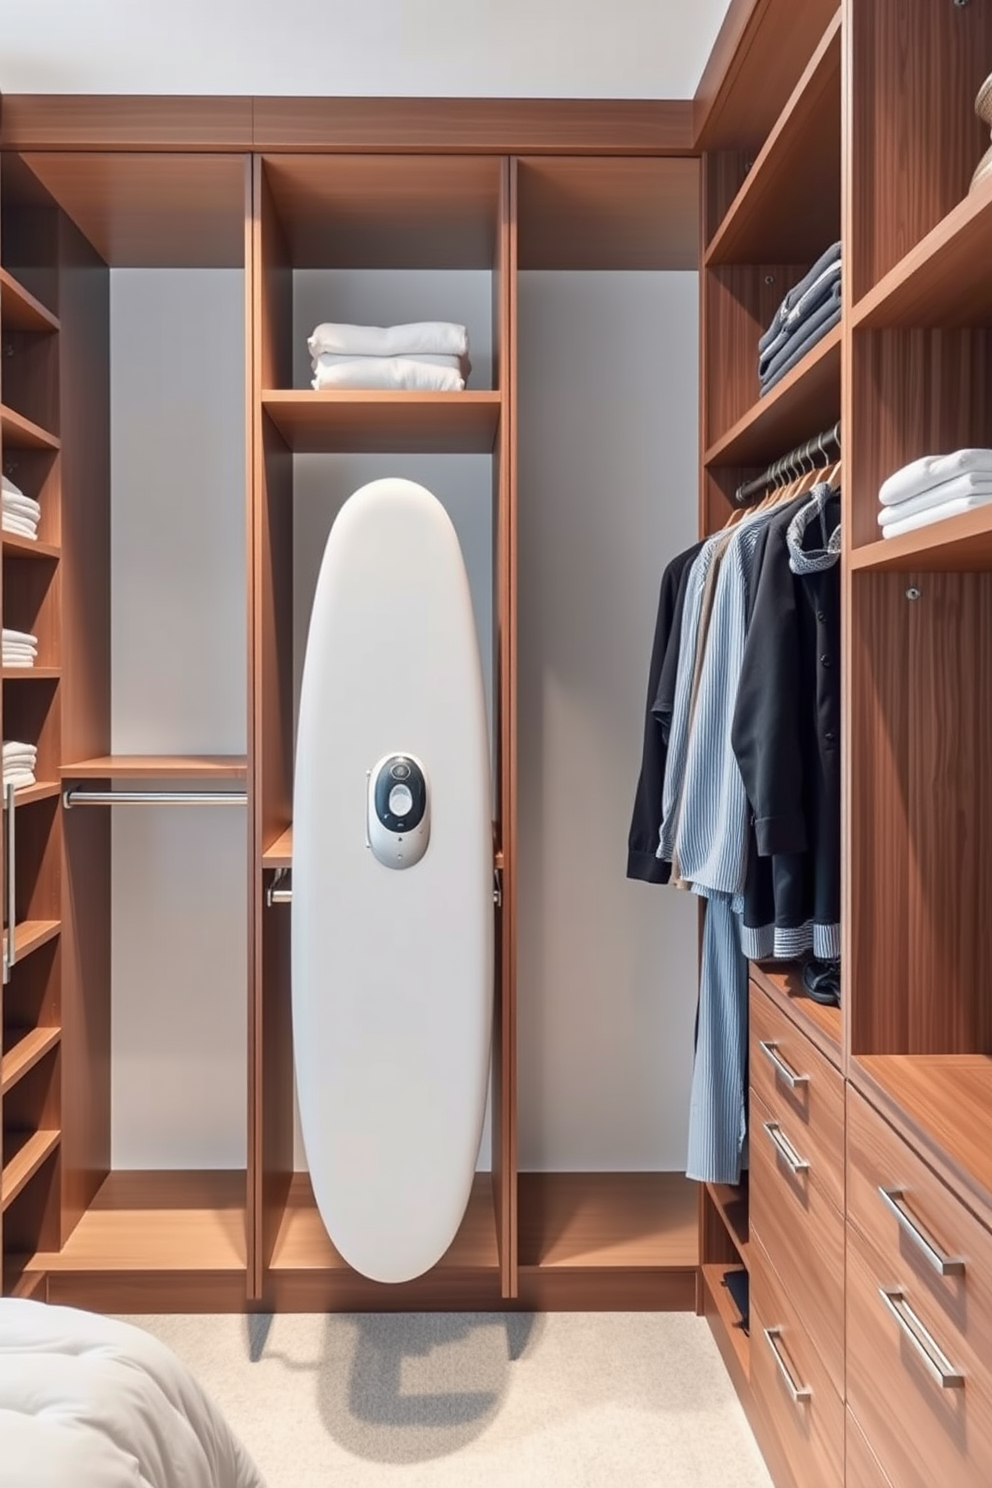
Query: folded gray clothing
x=810, y=331
x=800, y=350
x=826, y=289
x=796, y=293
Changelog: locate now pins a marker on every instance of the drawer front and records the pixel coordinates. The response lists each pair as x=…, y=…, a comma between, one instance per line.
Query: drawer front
x=925, y=1433
x=927, y=1240
x=863, y=1469
x=784, y=1365
x=802, y=1232
x=813, y=1103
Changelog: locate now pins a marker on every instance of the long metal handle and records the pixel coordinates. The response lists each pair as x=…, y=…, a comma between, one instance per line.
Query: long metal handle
x=944, y=1265
x=75, y=797
x=922, y=1340
x=791, y=1077
x=785, y=1148
x=799, y=1393
x=10, y=944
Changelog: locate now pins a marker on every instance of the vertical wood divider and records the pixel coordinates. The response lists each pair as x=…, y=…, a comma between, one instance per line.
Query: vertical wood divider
x=849, y=433
x=253, y=1266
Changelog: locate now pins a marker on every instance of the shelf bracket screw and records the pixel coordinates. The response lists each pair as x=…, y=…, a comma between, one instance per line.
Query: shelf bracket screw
x=913, y=593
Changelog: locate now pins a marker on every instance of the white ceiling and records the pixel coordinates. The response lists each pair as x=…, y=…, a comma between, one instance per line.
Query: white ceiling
x=442, y=48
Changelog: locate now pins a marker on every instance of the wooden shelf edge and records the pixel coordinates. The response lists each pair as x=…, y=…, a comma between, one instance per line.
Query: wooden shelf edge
x=30, y=935
x=30, y=314
x=726, y=1313
x=163, y=766
x=44, y=790
x=22, y=433
x=823, y=1026
x=31, y=674
x=724, y=1198
x=17, y=1174
x=731, y=448
x=955, y=543
x=16, y=546
x=279, y=853
x=25, y=1054
x=806, y=93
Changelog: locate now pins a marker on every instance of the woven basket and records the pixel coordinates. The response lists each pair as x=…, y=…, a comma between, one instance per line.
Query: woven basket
x=983, y=103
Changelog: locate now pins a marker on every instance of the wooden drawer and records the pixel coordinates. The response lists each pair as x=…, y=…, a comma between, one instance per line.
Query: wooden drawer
x=813, y=1105
x=924, y=1434
x=937, y=1248
x=811, y=1428
x=863, y=1468
x=802, y=1232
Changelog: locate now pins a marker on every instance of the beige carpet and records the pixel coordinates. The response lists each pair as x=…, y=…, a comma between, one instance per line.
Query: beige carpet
x=469, y=1400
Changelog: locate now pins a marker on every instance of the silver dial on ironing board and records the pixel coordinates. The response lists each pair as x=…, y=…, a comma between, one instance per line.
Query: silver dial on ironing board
x=398, y=811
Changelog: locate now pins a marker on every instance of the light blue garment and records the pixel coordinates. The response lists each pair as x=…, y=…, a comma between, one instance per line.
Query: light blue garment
x=717, y=1106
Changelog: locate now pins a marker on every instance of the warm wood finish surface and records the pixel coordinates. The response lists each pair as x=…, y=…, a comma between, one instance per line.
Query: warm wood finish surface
x=32, y=594
x=280, y=853
x=607, y=213
x=782, y=984
x=512, y=126
x=44, y=790
x=813, y=1113
x=758, y=56
x=961, y=544
x=31, y=674
x=23, y=1155
x=385, y=423
x=387, y=211
x=789, y=204
x=738, y=302
x=806, y=401
x=159, y=767
x=18, y=432
x=152, y=210
x=30, y=935
x=812, y=1431
x=75, y=121
x=16, y=546
x=22, y=1051
x=20, y=310
x=158, y=1222
x=863, y=1469
x=616, y=1220
x=803, y=1234
x=731, y=1327
x=731, y=1203
x=921, y=1433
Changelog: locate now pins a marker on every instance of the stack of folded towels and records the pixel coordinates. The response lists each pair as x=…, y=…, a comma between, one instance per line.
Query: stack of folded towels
x=20, y=648
x=19, y=763
x=427, y=356
x=808, y=312
x=19, y=513
x=935, y=487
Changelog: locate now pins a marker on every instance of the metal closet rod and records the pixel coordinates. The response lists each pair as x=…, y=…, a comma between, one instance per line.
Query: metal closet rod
x=794, y=463
x=75, y=796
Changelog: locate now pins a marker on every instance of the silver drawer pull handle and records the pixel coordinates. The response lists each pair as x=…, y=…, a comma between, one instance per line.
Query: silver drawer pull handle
x=944, y=1265
x=922, y=1340
x=785, y=1149
x=791, y=1077
x=799, y=1393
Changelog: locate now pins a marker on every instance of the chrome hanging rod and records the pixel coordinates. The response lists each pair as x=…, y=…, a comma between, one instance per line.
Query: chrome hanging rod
x=802, y=458
x=75, y=796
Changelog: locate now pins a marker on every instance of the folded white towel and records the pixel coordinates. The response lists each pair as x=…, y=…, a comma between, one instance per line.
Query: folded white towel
x=20, y=526
x=961, y=486
x=436, y=337
x=17, y=661
x=24, y=506
x=935, y=514
x=17, y=749
x=396, y=373
x=19, y=779
x=7, y=487
x=921, y=475
x=458, y=363
x=18, y=637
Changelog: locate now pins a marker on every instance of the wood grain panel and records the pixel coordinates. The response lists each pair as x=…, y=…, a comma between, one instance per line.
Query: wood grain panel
x=30, y=232
x=346, y=1291
x=723, y=173
x=22, y=1051
x=916, y=69
x=805, y=402
x=862, y=1466
x=728, y=1318
x=782, y=984
x=607, y=213
x=210, y=767
x=13, y=545
x=729, y=1205
x=602, y=1290
x=31, y=375
x=961, y=544
x=331, y=421
x=616, y=1221
x=79, y=121
x=32, y=595
x=387, y=211
x=18, y=432
x=32, y=713
x=500, y=126
x=152, y=210
x=789, y=203
x=943, y=280
x=133, y=1293
x=20, y=310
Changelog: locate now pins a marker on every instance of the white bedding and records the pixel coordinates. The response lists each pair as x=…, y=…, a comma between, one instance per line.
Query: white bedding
x=88, y=1402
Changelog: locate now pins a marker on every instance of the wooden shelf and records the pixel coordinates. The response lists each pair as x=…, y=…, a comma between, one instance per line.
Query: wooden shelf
x=29, y=1047
x=16, y=546
x=159, y=767
x=638, y=1221
x=23, y=1155
x=44, y=790
x=31, y=935
x=158, y=1221
x=20, y=310
x=943, y=281
x=788, y=208
x=804, y=402
x=279, y=854
x=958, y=544
x=731, y=1203
x=31, y=674
x=302, y=1243
x=727, y=1313
x=823, y=1025
x=941, y=1102
x=18, y=432
x=385, y=423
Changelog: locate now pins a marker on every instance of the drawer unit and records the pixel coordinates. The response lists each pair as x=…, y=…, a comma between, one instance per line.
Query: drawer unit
x=922, y=1399
x=802, y=1232
x=802, y=1088
x=792, y=1384
x=863, y=1467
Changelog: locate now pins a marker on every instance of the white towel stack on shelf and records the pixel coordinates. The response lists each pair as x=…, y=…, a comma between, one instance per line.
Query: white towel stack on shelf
x=19, y=513
x=428, y=356
x=20, y=649
x=19, y=764
x=935, y=487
